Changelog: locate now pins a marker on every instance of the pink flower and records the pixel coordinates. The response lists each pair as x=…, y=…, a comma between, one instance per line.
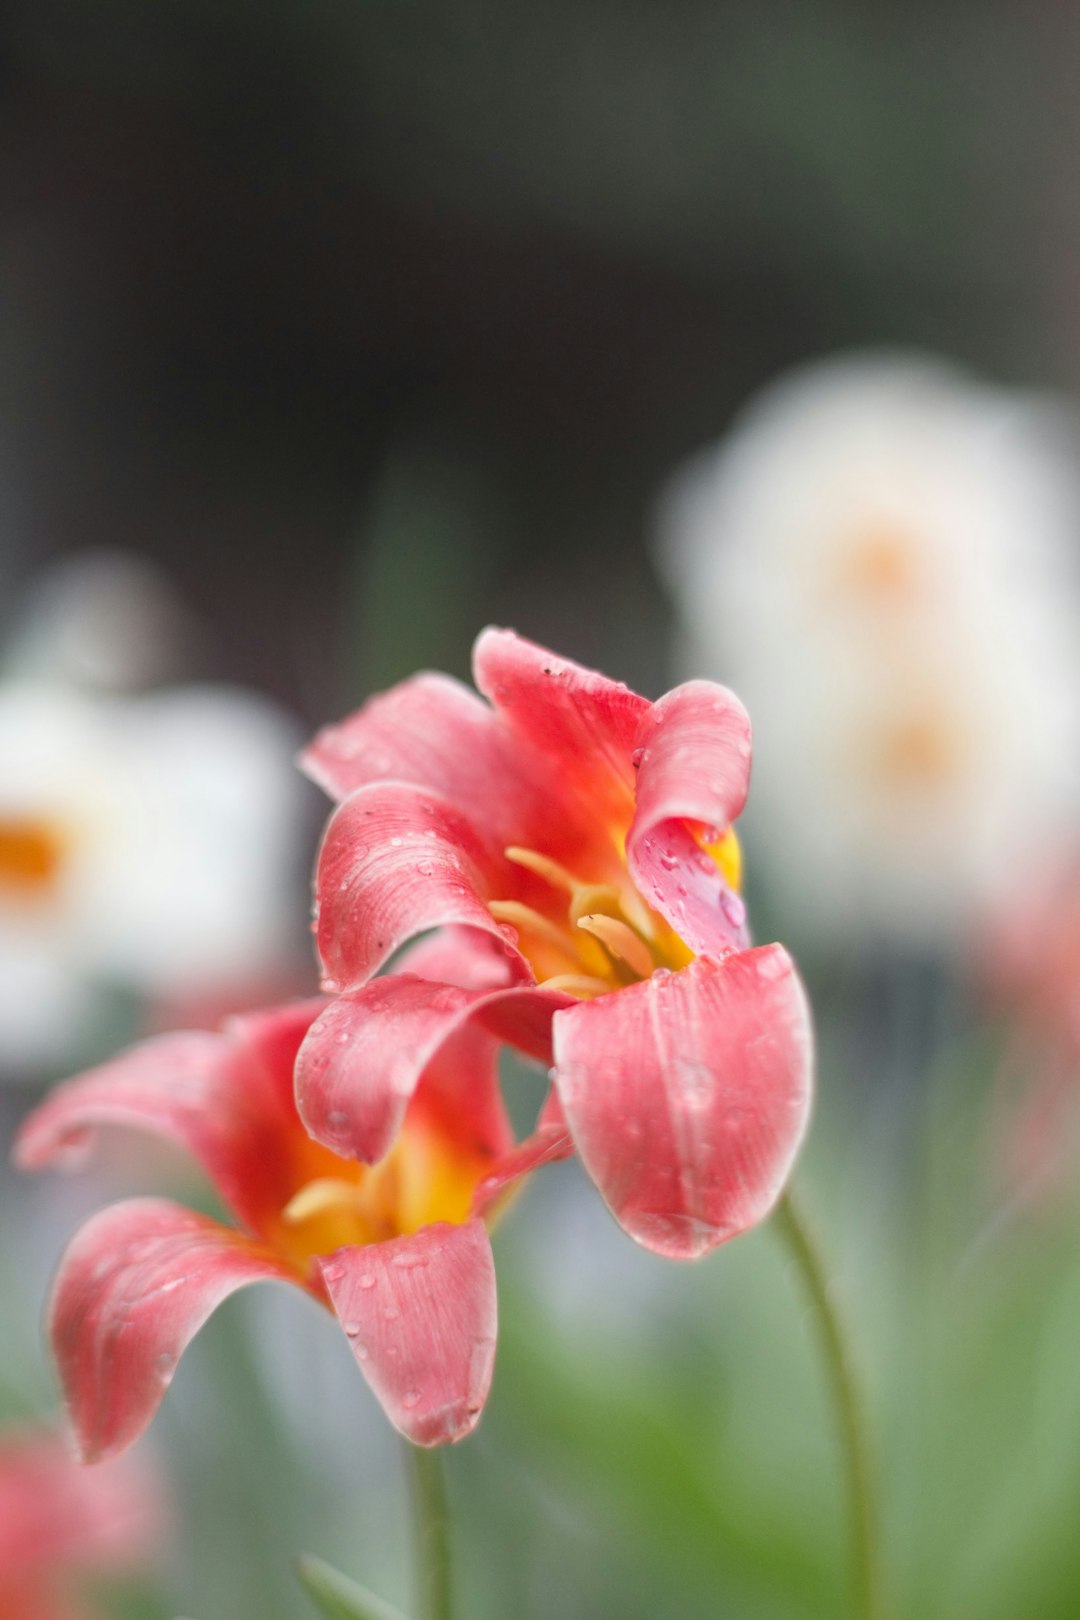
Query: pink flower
x=59, y=1524
x=400, y=1253
x=576, y=841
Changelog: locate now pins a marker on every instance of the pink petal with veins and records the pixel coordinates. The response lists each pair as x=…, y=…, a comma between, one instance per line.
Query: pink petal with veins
x=366, y=1054
x=688, y=1096
x=394, y=861
x=579, y=721
x=421, y=1316
x=226, y=1098
x=135, y=1285
x=434, y=733
x=692, y=753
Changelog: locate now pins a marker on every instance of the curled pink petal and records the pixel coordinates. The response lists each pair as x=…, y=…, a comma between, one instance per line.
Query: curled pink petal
x=692, y=754
x=225, y=1098
x=688, y=1096
x=421, y=1316
x=134, y=1287
x=396, y=860
x=365, y=1056
x=584, y=724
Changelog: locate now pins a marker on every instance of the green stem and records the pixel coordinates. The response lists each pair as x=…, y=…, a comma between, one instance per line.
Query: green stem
x=853, y=1436
x=432, y=1533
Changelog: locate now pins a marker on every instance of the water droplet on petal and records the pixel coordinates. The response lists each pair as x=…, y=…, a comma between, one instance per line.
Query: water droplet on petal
x=352, y=1329
x=410, y=1399
x=638, y=757
x=367, y=1280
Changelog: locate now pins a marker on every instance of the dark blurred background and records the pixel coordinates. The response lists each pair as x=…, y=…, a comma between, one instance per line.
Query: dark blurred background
x=411, y=306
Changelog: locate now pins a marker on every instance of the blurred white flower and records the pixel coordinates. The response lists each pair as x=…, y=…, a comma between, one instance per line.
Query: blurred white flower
x=148, y=842
x=882, y=560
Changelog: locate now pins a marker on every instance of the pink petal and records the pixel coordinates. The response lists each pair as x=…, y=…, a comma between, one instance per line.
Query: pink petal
x=56, y=1515
x=366, y=1055
x=688, y=1096
x=135, y=1285
x=421, y=1316
x=395, y=861
x=461, y=956
x=434, y=733
x=226, y=1098
x=693, y=766
x=584, y=724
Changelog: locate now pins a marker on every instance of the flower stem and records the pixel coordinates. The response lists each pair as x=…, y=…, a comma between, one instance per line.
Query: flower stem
x=432, y=1533
x=854, y=1441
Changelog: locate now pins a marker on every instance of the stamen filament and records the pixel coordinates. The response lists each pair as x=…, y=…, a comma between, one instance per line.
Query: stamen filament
x=543, y=866
x=582, y=985
x=524, y=918
x=319, y=1196
x=619, y=938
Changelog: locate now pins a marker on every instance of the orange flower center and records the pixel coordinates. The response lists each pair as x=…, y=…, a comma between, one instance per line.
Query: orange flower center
x=881, y=565
x=31, y=857
x=427, y=1176
x=594, y=937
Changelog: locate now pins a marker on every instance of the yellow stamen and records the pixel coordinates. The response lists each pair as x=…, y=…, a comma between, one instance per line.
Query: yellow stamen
x=526, y=920
x=582, y=985
x=533, y=861
x=320, y=1197
x=620, y=940
x=728, y=856
x=593, y=900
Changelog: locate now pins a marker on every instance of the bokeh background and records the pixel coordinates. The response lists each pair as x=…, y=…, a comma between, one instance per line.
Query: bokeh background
x=360, y=327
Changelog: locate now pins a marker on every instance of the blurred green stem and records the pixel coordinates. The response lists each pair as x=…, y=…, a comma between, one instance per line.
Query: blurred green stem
x=853, y=1433
x=432, y=1533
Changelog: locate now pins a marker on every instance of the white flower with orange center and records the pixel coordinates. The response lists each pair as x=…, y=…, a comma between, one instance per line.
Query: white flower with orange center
x=882, y=557
x=146, y=843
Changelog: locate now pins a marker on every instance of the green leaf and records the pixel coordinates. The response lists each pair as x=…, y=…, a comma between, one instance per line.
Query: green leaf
x=335, y=1596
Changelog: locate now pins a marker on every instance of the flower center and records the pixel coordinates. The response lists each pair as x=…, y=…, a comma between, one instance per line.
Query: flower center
x=31, y=857
x=586, y=938
x=425, y=1177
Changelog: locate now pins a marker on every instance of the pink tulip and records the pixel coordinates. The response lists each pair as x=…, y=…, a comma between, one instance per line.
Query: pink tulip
x=399, y=1253
x=573, y=842
x=59, y=1524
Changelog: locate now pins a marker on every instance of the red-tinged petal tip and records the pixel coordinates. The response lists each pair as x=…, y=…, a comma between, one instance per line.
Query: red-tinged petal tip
x=134, y=1287
x=420, y=1314
x=688, y=1096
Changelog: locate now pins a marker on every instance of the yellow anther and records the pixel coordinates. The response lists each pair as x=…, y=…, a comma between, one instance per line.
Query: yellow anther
x=582, y=985
x=528, y=921
x=595, y=900
x=328, y=1193
x=543, y=866
x=620, y=939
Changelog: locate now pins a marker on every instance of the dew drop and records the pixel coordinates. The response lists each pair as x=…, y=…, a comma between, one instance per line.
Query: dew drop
x=410, y=1399
x=337, y=1122
x=425, y=868
x=396, y=843
x=637, y=758
x=367, y=1280
x=165, y=1365
x=352, y=1329
x=733, y=907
